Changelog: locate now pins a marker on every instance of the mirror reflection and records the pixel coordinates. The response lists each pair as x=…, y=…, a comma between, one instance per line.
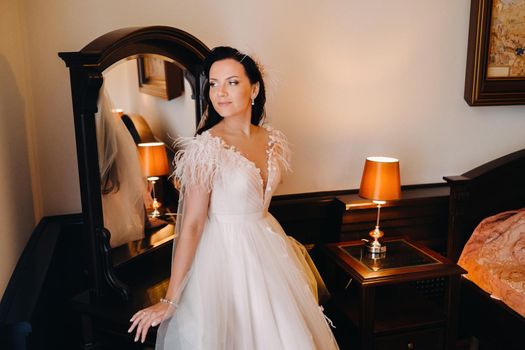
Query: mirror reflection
x=144, y=104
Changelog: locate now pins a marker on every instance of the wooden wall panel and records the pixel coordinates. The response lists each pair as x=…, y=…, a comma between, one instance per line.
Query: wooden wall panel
x=420, y=214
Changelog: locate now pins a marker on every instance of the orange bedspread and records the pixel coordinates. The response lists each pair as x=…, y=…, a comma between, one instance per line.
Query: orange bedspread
x=494, y=257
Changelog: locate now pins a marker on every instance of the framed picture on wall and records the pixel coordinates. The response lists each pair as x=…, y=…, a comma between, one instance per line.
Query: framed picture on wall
x=159, y=77
x=495, y=73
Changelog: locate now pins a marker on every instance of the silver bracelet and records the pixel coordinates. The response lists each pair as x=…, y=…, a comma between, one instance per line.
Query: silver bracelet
x=168, y=301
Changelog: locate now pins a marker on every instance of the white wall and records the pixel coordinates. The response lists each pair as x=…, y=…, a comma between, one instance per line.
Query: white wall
x=17, y=216
x=167, y=119
x=347, y=79
x=119, y=83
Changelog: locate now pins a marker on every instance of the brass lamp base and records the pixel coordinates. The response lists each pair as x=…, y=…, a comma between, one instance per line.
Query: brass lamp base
x=156, y=205
x=375, y=247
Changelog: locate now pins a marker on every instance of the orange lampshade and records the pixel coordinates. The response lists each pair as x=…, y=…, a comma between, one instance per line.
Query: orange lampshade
x=380, y=179
x=153, y=159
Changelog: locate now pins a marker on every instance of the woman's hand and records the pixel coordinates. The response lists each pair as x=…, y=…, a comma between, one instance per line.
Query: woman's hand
x=146, y=318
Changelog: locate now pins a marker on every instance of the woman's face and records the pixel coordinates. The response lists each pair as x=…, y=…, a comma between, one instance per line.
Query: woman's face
x=231, y=92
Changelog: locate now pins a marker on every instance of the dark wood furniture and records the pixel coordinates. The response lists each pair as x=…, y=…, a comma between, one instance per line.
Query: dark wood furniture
x=406, y=299
x=130, y=277
x=34, y=310
x=311, y=218
x=421, y=214
x=86, y=72
x=489, y=189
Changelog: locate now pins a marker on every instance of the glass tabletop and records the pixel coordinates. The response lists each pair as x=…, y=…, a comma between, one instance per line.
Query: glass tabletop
x=399, y=254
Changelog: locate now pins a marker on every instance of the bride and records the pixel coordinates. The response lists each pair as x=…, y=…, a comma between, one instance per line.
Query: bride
x=237, y=281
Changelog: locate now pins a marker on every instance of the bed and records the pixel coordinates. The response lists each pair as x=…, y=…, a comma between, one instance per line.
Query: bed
x=487, y=190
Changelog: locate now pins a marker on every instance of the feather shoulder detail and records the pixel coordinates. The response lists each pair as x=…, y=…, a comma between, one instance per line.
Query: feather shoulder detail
x=196, y=161
x=280, y=148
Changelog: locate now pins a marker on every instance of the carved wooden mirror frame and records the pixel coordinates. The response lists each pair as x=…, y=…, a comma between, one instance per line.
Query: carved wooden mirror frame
x=86, y=67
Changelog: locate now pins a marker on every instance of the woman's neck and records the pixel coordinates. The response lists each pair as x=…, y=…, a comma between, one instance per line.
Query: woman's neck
x=236, y=126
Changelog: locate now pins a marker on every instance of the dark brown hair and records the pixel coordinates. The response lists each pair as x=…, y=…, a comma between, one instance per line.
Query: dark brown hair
x=211, y=116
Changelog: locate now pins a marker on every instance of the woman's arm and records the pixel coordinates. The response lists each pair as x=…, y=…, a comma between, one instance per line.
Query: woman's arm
x=196, y=201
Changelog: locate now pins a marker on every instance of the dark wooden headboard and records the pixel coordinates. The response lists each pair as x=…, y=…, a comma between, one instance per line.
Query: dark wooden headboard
x=491, y=188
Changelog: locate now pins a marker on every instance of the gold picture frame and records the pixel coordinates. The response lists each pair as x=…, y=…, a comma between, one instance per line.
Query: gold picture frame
x=159, y=77
x=495, y=47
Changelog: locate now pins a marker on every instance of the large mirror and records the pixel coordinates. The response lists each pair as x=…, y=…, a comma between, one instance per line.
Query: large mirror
x=145, y=104
x=134, y=91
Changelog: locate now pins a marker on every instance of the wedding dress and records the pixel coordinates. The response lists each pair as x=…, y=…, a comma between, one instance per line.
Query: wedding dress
x=248, y=286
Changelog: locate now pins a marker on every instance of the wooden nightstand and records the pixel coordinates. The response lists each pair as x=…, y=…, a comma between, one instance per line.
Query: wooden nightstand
x=407, y=299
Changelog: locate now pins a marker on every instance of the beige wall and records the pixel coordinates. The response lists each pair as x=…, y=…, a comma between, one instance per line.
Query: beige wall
x=166, y=118
x=346, y=79
x=17, y=214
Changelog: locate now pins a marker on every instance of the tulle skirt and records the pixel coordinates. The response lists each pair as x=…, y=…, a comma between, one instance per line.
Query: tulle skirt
x=247, y=289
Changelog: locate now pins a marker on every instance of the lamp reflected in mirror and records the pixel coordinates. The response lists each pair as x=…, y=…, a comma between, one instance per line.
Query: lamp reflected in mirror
x=154, y=163
x=380, y=183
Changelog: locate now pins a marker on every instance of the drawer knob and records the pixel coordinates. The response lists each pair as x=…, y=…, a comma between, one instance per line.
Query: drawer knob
x=410, y=345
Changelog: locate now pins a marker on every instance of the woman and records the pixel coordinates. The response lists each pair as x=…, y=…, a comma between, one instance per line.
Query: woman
x=236, y=281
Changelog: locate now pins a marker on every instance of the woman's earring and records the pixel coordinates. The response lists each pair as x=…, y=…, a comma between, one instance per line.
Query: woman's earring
x=253, y=101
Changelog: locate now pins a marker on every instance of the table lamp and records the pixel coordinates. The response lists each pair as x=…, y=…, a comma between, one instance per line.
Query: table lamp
x=380, y=183
x=154, y=163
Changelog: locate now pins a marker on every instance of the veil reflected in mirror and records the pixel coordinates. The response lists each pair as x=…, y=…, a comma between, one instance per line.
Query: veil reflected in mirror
x=144, y=100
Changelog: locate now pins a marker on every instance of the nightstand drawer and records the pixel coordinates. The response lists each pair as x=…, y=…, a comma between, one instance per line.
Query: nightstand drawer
x=430, y=339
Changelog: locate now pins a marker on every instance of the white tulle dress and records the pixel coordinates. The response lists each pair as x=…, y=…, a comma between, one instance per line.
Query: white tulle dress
x=248, y=287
